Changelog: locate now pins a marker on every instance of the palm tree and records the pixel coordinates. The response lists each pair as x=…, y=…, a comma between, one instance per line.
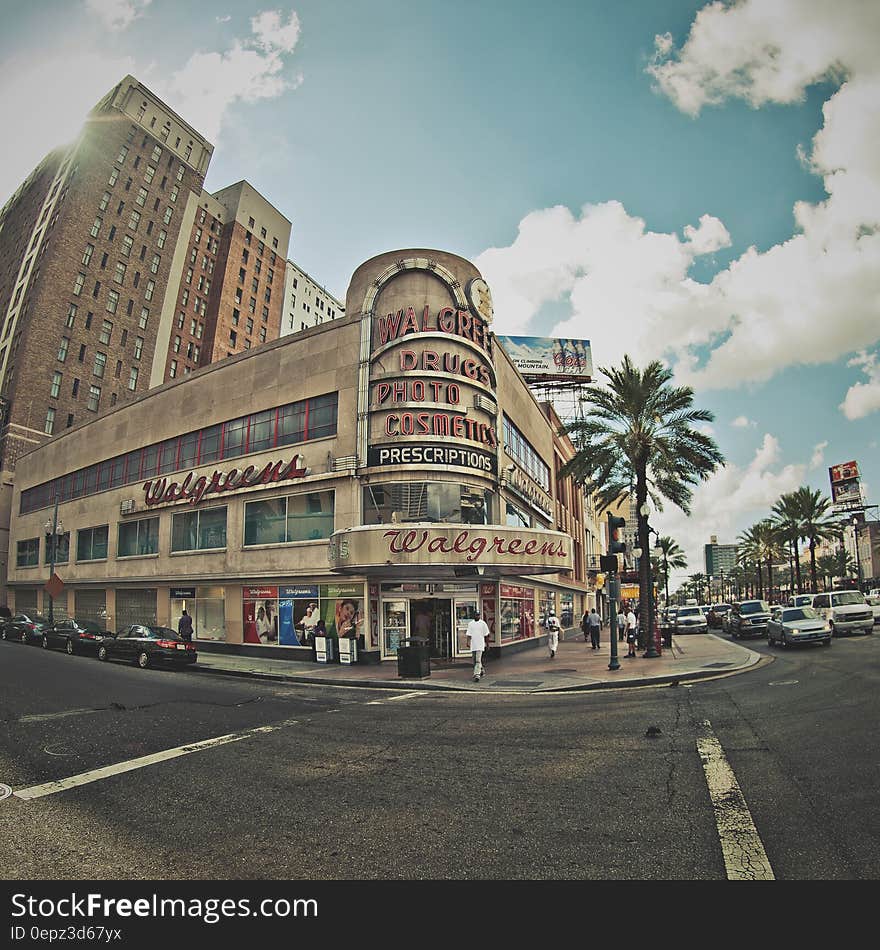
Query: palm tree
x=697, y=580
x=749, y=555
x=839, y=564
x=789, y=524
x=814, y=512
x=672, y=556
x=640, y=429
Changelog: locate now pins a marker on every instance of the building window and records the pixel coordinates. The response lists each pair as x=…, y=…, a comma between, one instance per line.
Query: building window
x=62, y=349
x=166, y=218
x=114, y=177
x=308, y=517
x=74, y=389
x=96, y=227
x=87, y=255
x=202, y=530
x=71, y=314
x=112, y=301
x=520, y=449
x=138, y=347
x=78, y=283
x=236, y=315
x=106, y=331
x=149, y=289
x=137, y=538
x=145, y=316
x=172, y=372
x=160, y=240
x=55, y=388
x=134, y=219
x=119, y=273
x=100, y=365
x=141, y=199
x=127, y=245
x=91, y=543
x=133, y=378
x=156, y=153
x=94, y=398
x=149, y=173
x=49, y=425
x=233, y=336
x=120, y=158
x=154, y=264
x=175, y=191
x=28, y=553
x=176, y=346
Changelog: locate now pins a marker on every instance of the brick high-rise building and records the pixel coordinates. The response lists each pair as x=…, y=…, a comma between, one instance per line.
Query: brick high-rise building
x=118, y=272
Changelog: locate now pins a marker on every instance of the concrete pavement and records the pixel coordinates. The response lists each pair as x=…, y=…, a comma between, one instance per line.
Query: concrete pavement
x=575, y=667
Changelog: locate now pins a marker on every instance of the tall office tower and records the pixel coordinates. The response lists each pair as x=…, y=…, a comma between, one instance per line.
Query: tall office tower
x=247, y=294
x=719, y=558
x=87, y=245
x=306, y=302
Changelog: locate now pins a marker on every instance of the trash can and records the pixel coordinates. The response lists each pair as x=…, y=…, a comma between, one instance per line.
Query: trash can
x=348, y=650
x=414, y=658
x=324, y=649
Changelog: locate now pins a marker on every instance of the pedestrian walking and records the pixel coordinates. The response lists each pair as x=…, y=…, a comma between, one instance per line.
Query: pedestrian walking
x=595, y=628
x=621, y=624
x=552, y=634
x=631, y=634
x=585, y=625
x=477, y=632
x=185, y=626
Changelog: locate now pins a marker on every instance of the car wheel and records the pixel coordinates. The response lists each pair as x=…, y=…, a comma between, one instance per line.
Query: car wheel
x=2, y=634
x=45, y=642
x=143, y=659
x=102, y=653
x=783, y=643
x=69, y=647
x=23, y=637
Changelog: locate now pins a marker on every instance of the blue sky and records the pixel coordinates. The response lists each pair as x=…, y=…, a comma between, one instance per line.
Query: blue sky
x=698, y=183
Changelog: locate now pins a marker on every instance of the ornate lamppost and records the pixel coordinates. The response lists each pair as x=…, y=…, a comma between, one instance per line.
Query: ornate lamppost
x=54, y=530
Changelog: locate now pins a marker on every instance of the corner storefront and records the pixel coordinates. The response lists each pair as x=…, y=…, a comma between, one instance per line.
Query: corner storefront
x=380, y=477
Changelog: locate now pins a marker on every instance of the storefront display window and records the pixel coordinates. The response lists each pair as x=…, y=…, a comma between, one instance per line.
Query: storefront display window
x=517, y=613
x=515, y=517
x=288, y=615
x=548, y=604
x=206, y=606
x=566, y=610
x=394, y=629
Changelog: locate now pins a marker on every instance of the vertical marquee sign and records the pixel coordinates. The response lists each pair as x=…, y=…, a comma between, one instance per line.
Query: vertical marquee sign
x=432, y=374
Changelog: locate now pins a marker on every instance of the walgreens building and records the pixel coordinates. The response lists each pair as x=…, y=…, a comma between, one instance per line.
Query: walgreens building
x=389, y=472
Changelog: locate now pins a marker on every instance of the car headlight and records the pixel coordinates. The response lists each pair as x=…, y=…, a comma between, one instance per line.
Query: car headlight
x=795, y=631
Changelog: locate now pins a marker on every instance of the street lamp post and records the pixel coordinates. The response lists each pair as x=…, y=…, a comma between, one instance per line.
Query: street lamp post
x=651, y=651
x=54, y=529
x=855, y=524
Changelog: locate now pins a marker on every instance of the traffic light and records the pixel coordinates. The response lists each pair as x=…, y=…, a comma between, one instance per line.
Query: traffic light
x=616, y=544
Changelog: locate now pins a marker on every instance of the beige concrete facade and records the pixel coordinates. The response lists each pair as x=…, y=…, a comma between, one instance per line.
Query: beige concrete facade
x=438, y=371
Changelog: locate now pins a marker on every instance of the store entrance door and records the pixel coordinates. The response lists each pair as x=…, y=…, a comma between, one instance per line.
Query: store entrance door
x=430, y=619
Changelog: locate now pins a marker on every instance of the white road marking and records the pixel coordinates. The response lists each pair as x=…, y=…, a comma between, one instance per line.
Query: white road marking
x=84, y=778
x=394, y=699
x=744, y=855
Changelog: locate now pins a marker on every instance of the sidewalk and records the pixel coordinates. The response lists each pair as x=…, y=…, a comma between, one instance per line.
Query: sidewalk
x=575, y=667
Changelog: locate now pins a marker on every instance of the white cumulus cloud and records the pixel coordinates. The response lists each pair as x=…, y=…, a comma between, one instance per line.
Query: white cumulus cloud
x=253, y=68
x=863, y=398
x=808, y=300
x=743, y=422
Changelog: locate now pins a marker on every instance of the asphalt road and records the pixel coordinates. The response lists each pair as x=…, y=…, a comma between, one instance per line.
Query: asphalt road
x=355, y=784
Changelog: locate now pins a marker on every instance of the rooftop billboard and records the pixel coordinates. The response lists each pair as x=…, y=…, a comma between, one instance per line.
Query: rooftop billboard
x=545, y=359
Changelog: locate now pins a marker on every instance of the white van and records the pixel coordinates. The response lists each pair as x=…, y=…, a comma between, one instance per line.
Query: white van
x=845, y=611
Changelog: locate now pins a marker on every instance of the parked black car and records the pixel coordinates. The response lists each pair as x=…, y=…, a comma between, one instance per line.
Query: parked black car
x=26, y=628
x=749, y=619
x=147, y=645
x=75, y=636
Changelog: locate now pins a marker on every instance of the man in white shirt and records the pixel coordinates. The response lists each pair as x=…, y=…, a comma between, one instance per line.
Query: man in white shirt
x=631, y=633
x=552, y=634
x=477, y=632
